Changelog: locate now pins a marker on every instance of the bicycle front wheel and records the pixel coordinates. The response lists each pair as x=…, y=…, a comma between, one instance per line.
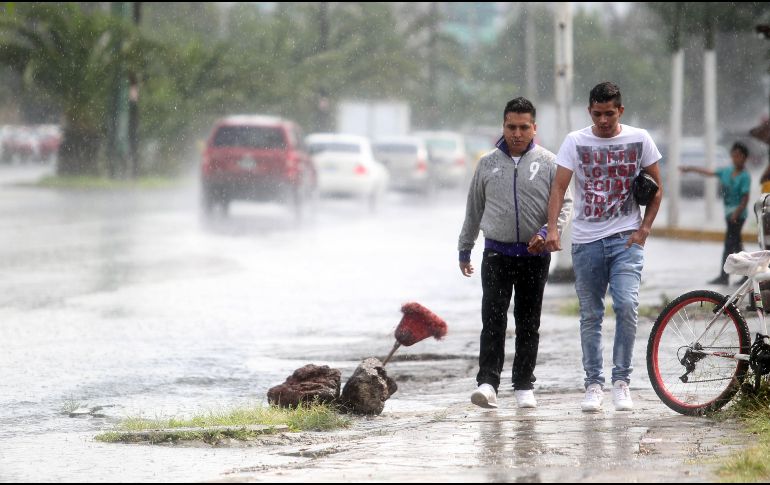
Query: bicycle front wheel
x=690, y=363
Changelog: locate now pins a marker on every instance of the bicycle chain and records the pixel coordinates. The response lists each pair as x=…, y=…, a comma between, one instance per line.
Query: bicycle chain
x=709, y=380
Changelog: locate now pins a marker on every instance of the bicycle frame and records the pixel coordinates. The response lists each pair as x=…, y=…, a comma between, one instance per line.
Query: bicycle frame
x=736, y=298
x=760, y=274
x=715, y=361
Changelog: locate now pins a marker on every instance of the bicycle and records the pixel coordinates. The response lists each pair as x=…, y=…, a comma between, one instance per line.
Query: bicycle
x=700, y=350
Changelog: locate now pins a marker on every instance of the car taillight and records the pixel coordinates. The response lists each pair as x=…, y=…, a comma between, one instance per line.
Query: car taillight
x=292, y=165
x=422, y=165
x=460, y=161
x=360, y=170
x=206, y=167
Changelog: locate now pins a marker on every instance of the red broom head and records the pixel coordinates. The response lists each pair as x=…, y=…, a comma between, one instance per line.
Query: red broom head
x=418, y=323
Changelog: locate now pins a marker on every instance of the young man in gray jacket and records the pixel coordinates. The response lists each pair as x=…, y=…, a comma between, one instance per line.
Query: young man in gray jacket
x=508, y=201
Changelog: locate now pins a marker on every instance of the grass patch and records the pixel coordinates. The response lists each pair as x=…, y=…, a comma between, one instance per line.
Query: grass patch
x=753, y=411
x=311, y=417
x=103, y=183
x=572, y=308
x=750, y=465
x=70, y=405
x=440, y=416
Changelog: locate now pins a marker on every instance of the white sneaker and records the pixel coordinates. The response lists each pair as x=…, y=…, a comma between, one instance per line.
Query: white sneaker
x=621, y=396
x=485, y=396
x=592, y=402
x=525, y=399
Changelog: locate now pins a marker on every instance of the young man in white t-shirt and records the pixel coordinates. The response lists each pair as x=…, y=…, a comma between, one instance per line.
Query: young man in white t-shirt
x=608, y=233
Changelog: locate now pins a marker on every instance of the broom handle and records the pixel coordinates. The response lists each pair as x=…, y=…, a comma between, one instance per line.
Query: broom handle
x=393, y=351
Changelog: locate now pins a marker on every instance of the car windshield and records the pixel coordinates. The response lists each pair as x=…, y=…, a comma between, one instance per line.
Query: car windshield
x=396, y=149
x=338, y=147
x=441, y=145
x=268, y=138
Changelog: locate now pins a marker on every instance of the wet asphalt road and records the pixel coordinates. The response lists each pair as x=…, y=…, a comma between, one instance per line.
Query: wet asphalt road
x=131, y=301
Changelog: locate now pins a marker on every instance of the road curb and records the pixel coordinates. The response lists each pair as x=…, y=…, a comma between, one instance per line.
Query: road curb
x=699, y=234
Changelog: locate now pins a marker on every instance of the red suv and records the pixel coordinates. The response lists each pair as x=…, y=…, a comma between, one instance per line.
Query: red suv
x=256, y=158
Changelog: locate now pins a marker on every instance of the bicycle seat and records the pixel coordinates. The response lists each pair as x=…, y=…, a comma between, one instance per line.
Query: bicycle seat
x=747, y=264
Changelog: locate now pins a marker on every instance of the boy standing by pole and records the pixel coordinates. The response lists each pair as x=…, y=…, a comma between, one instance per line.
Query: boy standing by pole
x=736, y=183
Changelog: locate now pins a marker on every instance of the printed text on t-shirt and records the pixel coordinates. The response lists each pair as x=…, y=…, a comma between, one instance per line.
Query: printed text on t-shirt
x=606, y=173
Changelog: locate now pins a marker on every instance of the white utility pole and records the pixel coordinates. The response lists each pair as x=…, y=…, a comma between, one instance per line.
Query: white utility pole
x=710, y=127
x=564, y=69
x=675, y=137
x=530, y=49
x=563, y=86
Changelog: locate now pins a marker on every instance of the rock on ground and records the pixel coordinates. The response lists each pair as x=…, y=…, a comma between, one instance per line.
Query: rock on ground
x=368, y=388
x=307, y=384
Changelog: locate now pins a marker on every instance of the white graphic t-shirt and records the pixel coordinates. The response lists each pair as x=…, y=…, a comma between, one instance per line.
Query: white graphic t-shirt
x=604, y=169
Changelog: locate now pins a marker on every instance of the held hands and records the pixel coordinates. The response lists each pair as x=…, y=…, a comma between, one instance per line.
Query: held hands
x=552, y=241
x=536, y=244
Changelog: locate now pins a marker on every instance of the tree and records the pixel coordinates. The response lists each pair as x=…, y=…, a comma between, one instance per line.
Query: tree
x=283, y=62
x=728, y=29
x=337, y=51
x=70, y=56
x=439, y=87
x=607, y=49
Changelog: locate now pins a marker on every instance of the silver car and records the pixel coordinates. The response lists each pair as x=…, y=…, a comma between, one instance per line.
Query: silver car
x=406, y=158
x=448, y=156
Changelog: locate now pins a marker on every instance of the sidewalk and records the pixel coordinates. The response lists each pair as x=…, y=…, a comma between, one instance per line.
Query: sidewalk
x=430, y=431
x=554, y=443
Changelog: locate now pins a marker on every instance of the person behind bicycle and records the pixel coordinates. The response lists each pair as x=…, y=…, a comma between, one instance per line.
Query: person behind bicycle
x=736, y=183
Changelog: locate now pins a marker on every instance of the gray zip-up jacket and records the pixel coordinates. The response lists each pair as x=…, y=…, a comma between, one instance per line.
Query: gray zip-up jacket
x=509, y=202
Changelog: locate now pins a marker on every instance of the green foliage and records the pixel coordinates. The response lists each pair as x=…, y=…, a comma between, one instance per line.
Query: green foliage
x=680, y=19
x=728, y=29
x=278, y=63
x=69, y=405
x=71, y=56
x=604, y=52
x=199, y=61
x=650, y=312
x=91, y=182
x=751, y=465
x=753, y=410
x=499, y=73
x=753, y=407
x=440, y=87
x=359, y=54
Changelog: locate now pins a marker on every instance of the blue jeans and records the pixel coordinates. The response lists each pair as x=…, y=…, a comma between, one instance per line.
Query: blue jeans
x=599, y=264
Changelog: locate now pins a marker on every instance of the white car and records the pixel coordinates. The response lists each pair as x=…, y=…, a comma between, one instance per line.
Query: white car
x=345, y=165
x=406, y=158
x=449, y=157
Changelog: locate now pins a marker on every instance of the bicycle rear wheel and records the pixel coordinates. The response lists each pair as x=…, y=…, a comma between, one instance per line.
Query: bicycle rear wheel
x=684, y=377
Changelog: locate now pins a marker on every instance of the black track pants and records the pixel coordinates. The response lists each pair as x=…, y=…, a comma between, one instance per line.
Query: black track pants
x=500, y=276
